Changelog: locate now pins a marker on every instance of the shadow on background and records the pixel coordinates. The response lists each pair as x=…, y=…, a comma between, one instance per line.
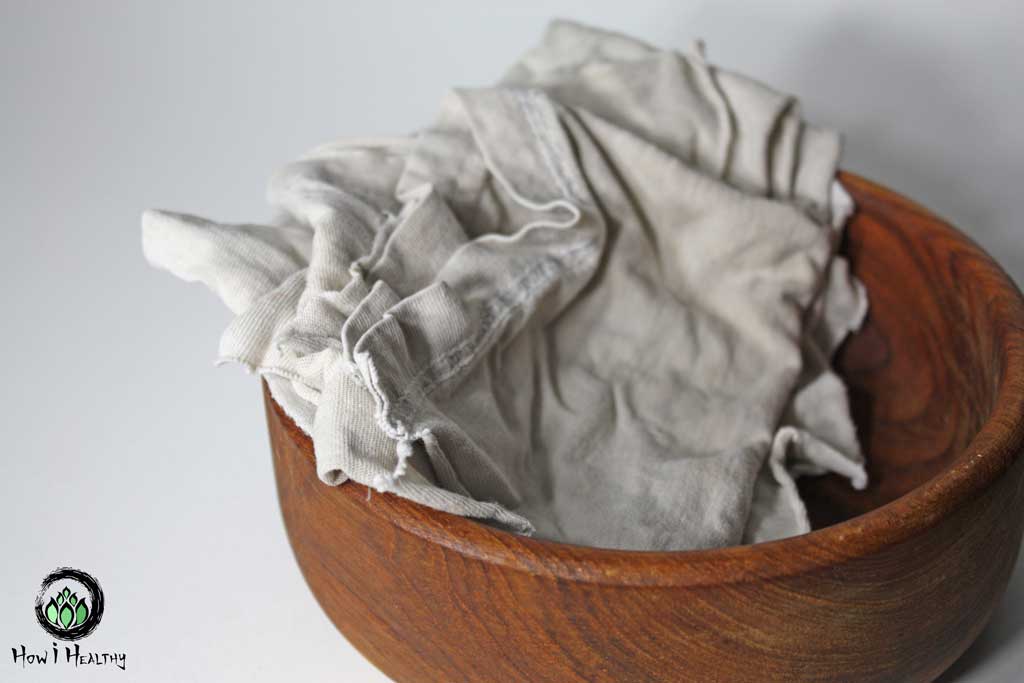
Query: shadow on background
x=1004, y=634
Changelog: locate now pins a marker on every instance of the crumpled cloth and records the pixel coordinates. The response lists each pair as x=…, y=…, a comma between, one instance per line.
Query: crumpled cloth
x=596, y=302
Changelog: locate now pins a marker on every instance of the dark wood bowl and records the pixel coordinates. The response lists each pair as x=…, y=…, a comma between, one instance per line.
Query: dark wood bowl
x=893, y=585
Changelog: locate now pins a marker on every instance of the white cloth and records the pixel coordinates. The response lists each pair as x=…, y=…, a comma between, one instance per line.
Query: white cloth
x=597, y=301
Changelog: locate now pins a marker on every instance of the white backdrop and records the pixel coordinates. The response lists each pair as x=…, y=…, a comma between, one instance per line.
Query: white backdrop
x=127, y=455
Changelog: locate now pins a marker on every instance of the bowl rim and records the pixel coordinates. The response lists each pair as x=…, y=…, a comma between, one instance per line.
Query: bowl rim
x=991, y=452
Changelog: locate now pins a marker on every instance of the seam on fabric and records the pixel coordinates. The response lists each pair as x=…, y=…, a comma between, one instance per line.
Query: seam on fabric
x=525, y=99
x=535, y=278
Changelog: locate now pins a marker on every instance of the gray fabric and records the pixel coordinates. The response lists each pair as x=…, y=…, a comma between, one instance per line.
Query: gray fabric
x=597, y=302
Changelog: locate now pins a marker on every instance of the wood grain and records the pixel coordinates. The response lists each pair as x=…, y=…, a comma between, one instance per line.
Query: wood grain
x=894, y=586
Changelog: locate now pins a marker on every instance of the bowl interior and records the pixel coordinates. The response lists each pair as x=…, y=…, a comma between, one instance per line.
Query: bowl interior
x=921, y=373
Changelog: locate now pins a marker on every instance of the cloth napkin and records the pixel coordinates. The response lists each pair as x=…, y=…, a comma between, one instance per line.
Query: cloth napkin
x=596, y=302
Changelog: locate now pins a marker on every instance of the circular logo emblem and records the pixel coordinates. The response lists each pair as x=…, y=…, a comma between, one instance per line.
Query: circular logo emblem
x=70, y=604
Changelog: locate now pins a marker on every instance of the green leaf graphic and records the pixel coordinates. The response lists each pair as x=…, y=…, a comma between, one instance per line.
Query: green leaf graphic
x=51, y=612
x=67, y=615
x=66, y=610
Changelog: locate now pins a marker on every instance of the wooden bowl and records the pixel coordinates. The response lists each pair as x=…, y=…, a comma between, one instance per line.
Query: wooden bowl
x=893, y=585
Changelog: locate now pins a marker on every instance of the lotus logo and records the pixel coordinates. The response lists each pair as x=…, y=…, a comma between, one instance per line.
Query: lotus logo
x=70, y=604
x=66, y=610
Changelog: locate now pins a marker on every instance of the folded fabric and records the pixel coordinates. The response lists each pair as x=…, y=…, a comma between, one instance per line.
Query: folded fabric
x=597, y=301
